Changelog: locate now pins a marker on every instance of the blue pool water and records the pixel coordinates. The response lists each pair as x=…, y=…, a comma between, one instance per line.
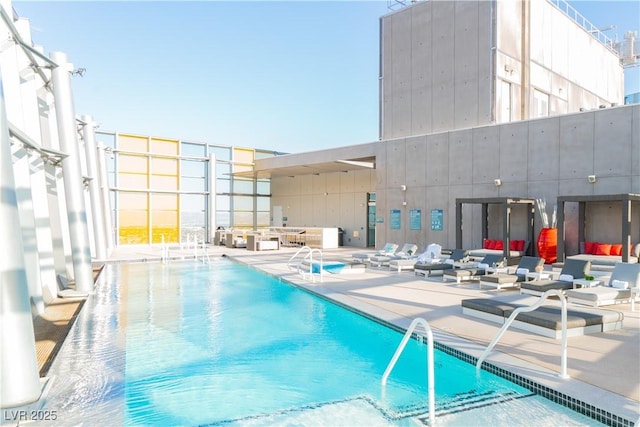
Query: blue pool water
x=194, y=344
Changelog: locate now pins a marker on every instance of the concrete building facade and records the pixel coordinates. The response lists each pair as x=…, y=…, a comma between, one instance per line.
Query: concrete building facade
x=450, y=65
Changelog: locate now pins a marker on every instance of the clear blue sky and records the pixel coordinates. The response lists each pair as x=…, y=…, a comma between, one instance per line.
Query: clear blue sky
x=289, y=76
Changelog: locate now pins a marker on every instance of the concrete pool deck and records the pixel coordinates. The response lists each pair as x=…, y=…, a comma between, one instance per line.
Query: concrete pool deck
x=604, y=368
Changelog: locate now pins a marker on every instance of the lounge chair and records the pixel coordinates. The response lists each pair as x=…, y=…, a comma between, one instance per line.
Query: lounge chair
x=432, y=252
x=478, y=269
x=388, y=249
x=426, y=266
x=572, y=269
x=500, y=280
x=405, y=252
x=623, y=286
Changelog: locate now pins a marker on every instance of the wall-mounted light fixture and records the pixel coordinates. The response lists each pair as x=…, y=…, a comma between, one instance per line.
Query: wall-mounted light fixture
x=326, y=194
x=591, y=179
x=497, y=182
x=404, y=203
x=403, y=187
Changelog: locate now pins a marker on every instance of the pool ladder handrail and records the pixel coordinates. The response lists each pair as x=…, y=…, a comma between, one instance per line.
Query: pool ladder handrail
x=563, y=352
x=309, y=256
x=431, y=396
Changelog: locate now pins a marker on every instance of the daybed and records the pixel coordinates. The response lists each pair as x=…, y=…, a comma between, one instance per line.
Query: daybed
x=572, y=269
x=517, y=248
x=388, y=249
x=545, y=320
x=605, y=254
x=479, y=269
x=623, y=286
x=426, y=267
x=527, y=264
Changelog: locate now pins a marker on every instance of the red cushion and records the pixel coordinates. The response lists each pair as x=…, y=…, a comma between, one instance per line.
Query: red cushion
x=616, y=250
x=499, y=245
x=485, y=245
x=513, y=245
x=603, y=249
x=520, y=245
x=491, y=244
x=589, y=247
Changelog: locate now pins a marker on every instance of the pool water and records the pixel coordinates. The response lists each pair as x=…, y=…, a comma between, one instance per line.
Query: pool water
x=187, y=343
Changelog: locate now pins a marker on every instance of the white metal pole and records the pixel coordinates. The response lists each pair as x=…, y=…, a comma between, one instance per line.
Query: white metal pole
x=19, y=378
x=105, y=197
x=211, y=205
x=89, y=136
x=72, y=173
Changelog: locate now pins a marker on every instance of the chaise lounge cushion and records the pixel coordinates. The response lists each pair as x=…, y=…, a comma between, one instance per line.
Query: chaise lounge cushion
x=456, y=255
x=606, y=295
x=572, y=269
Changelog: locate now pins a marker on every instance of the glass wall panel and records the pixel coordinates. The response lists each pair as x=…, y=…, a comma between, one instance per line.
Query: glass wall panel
x=223, y=203
x=264, y=219
x=222, y=153
x=164, y=146
x=164, y=201
x=135, y=164
x=223, y=170
x=193, y=168
x=242, y=219
x=164, y=166
x=161, y=182
x=133, y=227
x=193, y=150
x=263, y=204
x=242, y=186
x=127, y=142
x=223, y=186
x=165, y=225
x=264, y=187
x=242, y=159
x=193, y=184
x=223, y=218
x=243, y=203
x=192, y=202
x=136, y=201
x=133, y=181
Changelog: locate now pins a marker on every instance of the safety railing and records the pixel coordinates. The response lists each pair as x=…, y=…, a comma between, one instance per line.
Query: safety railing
x=543, y=297
x=430, y=372
x=300, y=264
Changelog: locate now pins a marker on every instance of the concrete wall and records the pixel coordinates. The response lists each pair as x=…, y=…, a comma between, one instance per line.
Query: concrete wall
x=542, y=158
x=337, y=199
x=436, y=67
x=445, y=65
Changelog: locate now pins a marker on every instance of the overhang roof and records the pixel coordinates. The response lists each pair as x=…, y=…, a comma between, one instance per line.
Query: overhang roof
x=344, y=159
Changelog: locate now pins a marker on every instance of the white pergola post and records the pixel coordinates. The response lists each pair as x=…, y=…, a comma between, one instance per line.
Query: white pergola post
x=19, y=378
x=105, y=197
x=72, y=173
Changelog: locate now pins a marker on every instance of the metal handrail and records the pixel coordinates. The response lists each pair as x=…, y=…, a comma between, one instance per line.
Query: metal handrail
x=309, y=257
x=563, y=351
x=430, y=373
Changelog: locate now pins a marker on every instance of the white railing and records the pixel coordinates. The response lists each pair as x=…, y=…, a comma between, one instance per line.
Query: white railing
x=543, y=297
x=431, y=396
x=308, y=257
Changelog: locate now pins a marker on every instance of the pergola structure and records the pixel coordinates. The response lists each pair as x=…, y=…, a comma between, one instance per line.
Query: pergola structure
x=507, y=203
x=625, y=199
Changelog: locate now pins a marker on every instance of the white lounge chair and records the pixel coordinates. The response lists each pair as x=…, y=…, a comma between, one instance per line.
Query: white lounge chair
x=406, y=252
x=623, y=286
x=388, y=249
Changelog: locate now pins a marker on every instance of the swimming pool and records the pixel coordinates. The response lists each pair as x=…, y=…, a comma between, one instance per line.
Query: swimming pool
x=193, y=344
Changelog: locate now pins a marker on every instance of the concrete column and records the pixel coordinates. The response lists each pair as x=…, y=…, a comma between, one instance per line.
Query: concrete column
x=105, y=198
x=211, y=205
x=19, y=378
x=89, y=136
x=72, y=174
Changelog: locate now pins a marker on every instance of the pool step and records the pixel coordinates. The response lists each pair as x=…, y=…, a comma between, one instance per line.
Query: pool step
x=369, y=411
